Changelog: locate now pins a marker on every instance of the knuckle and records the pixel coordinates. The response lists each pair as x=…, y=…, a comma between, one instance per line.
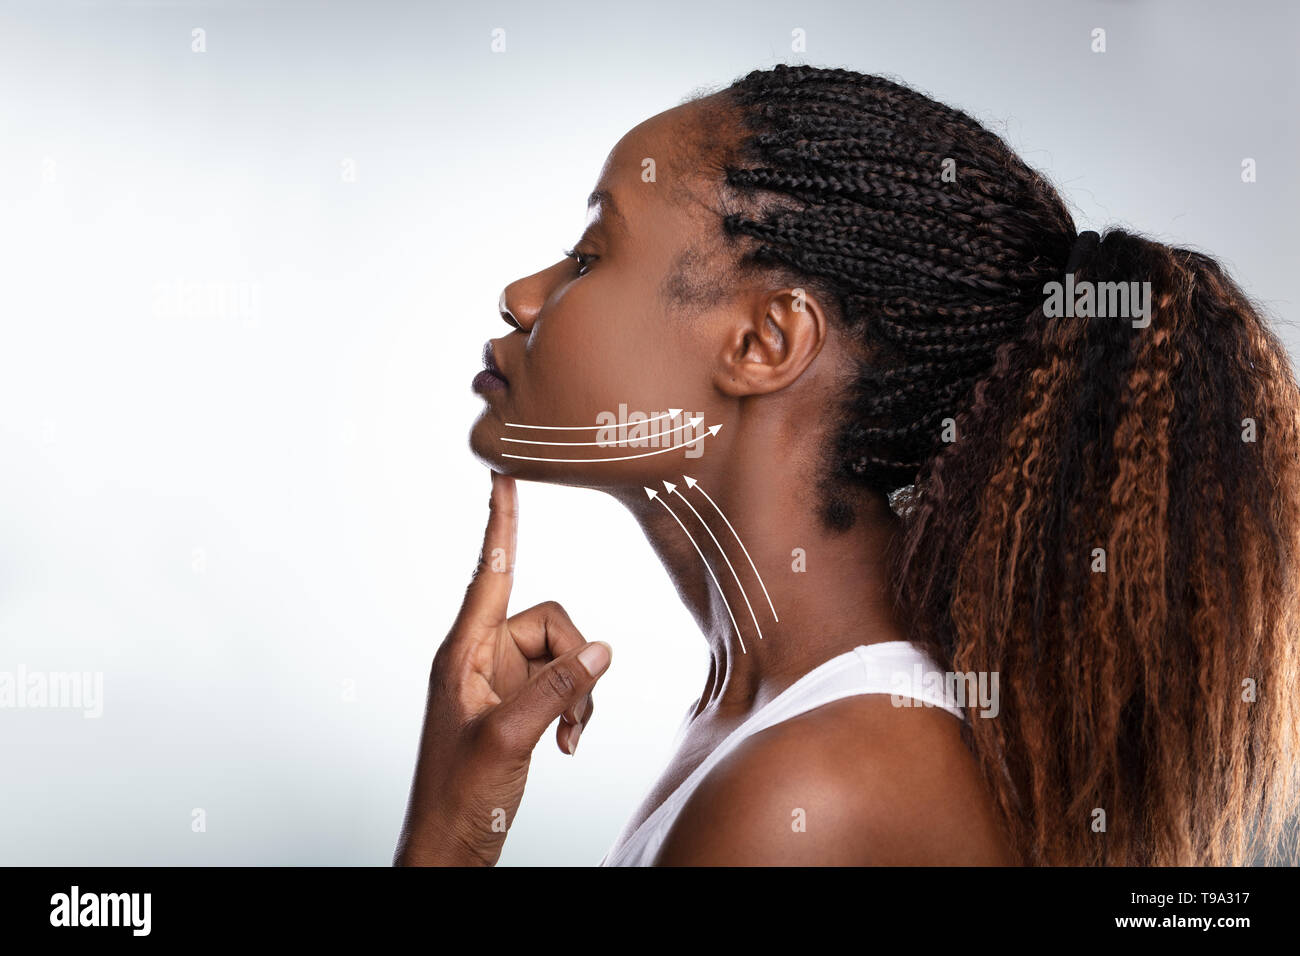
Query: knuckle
x=442, y=672
x=559, y=618
x=561, y=681
x=501, y=508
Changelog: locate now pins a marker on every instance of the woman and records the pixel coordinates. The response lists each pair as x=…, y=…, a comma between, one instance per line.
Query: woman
x=1059, y=467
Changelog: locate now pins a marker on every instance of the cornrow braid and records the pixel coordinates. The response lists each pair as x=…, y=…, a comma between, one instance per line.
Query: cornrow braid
x=939, y=270
x=1114, y=531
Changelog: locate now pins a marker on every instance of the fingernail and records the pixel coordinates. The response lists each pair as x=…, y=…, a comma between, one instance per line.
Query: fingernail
x=573, y=738
x=595, y=658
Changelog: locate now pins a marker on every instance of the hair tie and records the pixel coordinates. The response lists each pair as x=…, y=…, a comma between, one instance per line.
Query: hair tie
x=1084, y=245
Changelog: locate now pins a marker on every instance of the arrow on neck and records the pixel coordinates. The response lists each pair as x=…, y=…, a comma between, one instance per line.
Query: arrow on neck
x=692, y=483
x=654, y=495
x=672, y=490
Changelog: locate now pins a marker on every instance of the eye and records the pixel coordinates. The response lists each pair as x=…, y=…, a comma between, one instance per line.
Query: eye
x=581, y=258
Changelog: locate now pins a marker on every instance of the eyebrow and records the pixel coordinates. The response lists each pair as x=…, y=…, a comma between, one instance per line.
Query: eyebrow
x=606, y=200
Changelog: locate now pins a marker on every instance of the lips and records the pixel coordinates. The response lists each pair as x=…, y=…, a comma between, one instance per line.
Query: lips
x=490, y=379
x=490, y=362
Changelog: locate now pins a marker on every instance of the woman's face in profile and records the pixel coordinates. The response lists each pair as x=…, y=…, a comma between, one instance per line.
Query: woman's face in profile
x=598, y=332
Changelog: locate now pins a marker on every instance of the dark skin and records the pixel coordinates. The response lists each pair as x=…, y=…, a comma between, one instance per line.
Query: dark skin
x=879, y=784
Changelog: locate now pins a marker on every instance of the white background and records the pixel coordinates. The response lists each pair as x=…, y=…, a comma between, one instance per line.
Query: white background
x=231, y=513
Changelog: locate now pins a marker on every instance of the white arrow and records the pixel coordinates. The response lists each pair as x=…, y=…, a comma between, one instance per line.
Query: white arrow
x=712, y=430
x=655, y=496
x=672, y=490
x=692, y=483
x=672, y=413
x=693, y=423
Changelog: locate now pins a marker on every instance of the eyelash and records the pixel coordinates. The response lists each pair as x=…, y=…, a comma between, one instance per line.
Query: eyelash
x=583, y=260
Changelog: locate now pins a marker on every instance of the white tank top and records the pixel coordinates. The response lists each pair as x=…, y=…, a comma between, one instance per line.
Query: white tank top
x=890, y=667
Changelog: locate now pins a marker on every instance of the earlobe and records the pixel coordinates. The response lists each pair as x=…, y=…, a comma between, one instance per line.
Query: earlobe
x=772, y=345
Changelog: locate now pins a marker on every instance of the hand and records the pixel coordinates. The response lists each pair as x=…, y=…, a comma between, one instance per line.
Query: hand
x=497, y=683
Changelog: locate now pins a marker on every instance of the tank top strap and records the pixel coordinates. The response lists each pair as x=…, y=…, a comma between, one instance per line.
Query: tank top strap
x=897, y=668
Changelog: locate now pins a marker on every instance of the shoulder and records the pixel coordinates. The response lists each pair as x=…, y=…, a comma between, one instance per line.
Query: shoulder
x=855, y=782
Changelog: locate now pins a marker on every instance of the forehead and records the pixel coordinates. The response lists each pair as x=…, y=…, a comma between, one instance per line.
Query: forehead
x=665, y=143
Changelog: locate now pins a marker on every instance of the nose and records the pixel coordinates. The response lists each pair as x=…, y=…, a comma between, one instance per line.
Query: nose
x=520, y=302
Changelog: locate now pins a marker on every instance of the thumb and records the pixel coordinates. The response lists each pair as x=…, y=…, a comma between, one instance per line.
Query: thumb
x=549, y=693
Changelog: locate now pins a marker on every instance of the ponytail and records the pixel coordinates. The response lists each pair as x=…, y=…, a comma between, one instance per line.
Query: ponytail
x=1115, y=532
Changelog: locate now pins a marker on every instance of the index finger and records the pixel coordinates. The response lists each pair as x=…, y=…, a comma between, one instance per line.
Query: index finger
x=488, y=594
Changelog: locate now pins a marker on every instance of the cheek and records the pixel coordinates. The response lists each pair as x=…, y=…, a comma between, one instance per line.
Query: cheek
x=582, y=368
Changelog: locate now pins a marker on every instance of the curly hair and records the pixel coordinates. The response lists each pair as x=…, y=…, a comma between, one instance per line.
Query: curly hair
x=1114, y=529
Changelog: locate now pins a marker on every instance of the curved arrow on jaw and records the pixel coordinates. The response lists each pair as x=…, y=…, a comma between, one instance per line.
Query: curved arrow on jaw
x=672, y=413
x=693, y=423
x=712, y=430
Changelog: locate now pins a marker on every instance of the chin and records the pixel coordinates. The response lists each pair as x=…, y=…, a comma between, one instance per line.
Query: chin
x=485, y=444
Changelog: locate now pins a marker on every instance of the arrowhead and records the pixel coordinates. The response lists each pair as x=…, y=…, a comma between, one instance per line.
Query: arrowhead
x=713, y=430
x=690, y=482
x=695, y=422
x=674, y=412
x=650, y=492
x=670, y=487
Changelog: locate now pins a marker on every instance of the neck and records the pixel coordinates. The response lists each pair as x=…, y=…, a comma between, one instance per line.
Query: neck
x=812, y=593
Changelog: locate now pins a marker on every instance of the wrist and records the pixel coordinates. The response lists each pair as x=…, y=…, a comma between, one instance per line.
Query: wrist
x=415, y=856
x=435, y=846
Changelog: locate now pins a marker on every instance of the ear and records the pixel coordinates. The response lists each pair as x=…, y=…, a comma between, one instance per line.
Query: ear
x=774, y=341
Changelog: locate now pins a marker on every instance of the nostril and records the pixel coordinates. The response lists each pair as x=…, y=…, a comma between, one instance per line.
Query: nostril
x=506, y=315
x=509, y=318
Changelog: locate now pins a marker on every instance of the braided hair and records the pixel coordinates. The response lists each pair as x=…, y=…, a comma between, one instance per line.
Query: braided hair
x=1081, y=509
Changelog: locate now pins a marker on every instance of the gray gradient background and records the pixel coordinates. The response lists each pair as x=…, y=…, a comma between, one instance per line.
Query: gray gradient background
x=231, y=516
